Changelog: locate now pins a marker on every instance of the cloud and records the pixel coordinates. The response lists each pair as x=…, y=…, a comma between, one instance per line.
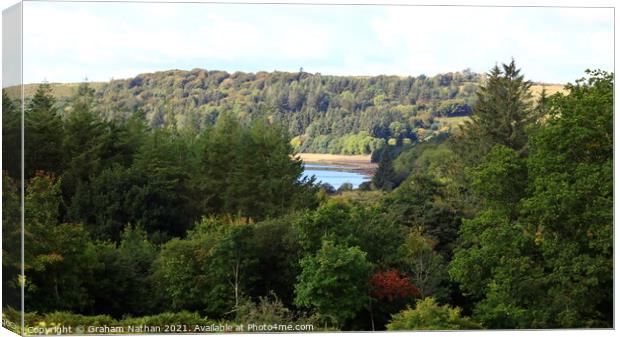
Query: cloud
x=543, y=41
x=68, y=41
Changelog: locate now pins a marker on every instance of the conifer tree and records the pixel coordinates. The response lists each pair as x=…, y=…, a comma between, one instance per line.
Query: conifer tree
x=11, y=137
x=385, y=175
x=501, y=114
x=43, y=133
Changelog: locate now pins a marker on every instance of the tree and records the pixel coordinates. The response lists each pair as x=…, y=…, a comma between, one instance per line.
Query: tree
x=385, y=176
x=501, y=114
x=83, y=141
x=11, y=136
x=43, y=133
x=540, y=253
x=334, y=282
x=59, y=257
x=210, y=270
x=425, y=267
x=389, y=285
x=119, y=271
x=277, y=251
x=419, y=204
x=11, y=243
x=428, y=315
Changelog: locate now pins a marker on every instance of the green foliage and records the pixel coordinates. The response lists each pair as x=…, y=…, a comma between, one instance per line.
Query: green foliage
x=330, y=114
x=11, y=136
x=428, y=315
x=248, y=170
x=121, y=270
x=540, y=254
x=67, y=319
x=11, y=243
x=350, y=223
x=43, y=134
x=210, y=270
x=59, y=256
x=334, y=282
x=266, y=311
x=385, y=177
x=501, y=115
x=501, y=178
x=278, y=251
x=418, y=203
x=425, y=267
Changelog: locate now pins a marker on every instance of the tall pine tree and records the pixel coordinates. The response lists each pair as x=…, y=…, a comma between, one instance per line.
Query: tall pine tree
x=500, y=116
x=43, y=133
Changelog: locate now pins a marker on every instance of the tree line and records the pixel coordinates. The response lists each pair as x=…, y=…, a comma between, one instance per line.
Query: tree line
x=327, y=114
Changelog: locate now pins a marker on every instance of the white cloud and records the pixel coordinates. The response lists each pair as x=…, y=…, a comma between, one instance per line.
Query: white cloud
x=67, y=41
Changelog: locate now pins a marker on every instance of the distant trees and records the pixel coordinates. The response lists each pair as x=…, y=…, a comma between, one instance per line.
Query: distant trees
x=328, y=114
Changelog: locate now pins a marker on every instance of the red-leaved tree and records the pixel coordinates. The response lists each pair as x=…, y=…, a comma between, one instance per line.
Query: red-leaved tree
x=391, y=286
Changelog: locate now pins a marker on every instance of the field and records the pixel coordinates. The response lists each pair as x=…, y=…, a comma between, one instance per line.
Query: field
x=551, y=89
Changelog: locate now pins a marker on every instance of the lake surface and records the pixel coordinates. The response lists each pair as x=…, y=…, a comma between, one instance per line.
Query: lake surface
x=334, y=175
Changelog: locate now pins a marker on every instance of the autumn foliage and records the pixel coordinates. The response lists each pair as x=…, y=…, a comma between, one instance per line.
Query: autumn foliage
x=391, y=286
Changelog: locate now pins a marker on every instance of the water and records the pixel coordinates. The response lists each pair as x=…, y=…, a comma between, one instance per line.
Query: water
x=334, y=175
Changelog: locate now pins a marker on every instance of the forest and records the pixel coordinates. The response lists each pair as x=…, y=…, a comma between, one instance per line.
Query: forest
x=136, y=215
x=323, y=114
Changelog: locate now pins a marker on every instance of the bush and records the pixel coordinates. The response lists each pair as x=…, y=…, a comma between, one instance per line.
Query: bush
x=168, y=318
x=428, y=315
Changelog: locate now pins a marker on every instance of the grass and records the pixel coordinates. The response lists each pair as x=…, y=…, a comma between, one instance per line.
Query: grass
x=59, y=90
x=550, y=88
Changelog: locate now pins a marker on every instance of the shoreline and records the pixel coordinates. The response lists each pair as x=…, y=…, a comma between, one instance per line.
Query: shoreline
x=359, y=163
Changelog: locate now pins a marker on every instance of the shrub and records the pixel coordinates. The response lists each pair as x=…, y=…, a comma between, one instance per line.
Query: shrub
x=428, y=315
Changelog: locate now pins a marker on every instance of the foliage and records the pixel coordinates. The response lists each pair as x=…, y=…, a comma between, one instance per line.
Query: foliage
x=11, y=135
x=389, y=285
x=424, y=266
x=348, y=222
x=11, y=243
x=180, y=192
x=428, y=315
x=55, y=267
x=43, y=133
x=385, y=177
x=501, y=114
x=334, y=282
x=327, y=114
x=418, y=203
x=539, y=255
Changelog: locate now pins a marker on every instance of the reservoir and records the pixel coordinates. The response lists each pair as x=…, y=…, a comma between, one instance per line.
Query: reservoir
x=335, y=175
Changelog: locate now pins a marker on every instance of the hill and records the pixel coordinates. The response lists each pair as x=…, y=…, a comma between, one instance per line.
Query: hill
x=325, y=114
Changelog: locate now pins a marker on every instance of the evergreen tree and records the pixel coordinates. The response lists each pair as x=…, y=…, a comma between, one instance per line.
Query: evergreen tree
x=540, y=254
x=11, y=137
x=43, y=133
x=83, y=141
x=501, y=114
x=385, y=175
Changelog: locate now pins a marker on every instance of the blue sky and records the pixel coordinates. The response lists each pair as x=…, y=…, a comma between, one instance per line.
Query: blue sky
x=66, y=42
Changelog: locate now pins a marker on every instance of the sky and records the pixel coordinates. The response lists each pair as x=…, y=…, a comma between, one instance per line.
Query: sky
x=68, y=42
